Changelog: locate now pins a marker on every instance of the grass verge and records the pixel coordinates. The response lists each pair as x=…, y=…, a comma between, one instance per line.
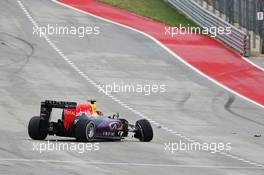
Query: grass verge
x=157, y=10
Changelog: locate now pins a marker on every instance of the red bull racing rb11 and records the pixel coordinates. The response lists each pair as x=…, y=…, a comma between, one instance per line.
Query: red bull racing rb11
x=85, y=123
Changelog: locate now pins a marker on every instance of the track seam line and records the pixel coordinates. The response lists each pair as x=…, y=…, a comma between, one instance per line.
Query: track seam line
x=63, y=56
x=126, y=163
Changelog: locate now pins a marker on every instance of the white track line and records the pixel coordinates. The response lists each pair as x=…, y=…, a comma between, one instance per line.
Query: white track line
x=82, y=74
x=253, y=64
x=126, y=164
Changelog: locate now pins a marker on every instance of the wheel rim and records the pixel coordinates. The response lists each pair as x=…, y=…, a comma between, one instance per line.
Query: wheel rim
x=89, y=131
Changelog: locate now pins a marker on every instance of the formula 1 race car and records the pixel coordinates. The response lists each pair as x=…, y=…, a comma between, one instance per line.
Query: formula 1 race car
x=85, y=123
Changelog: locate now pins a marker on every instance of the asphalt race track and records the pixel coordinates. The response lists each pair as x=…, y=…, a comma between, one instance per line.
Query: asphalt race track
x=32, y=69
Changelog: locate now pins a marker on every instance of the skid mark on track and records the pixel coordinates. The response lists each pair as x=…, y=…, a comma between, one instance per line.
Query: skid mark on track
x=228, y=107
x=6, y=40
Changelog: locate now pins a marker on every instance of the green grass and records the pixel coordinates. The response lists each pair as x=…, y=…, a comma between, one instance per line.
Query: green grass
x=157, y=10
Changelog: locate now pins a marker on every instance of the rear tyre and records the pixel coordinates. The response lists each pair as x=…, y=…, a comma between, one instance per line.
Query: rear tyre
x=84, y=131
x=144, y=130
x=34, y=131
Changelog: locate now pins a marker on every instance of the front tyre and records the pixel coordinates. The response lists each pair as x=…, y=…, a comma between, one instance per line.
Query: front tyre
x=144, y=130
x=84, y=131
x=34, y=131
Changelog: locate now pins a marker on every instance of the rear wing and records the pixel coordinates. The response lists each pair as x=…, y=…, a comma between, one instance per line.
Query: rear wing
x=59, y=104
x=46, y=109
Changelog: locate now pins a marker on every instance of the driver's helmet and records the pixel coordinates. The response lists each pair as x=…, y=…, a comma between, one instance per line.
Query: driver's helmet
x=93, y=105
